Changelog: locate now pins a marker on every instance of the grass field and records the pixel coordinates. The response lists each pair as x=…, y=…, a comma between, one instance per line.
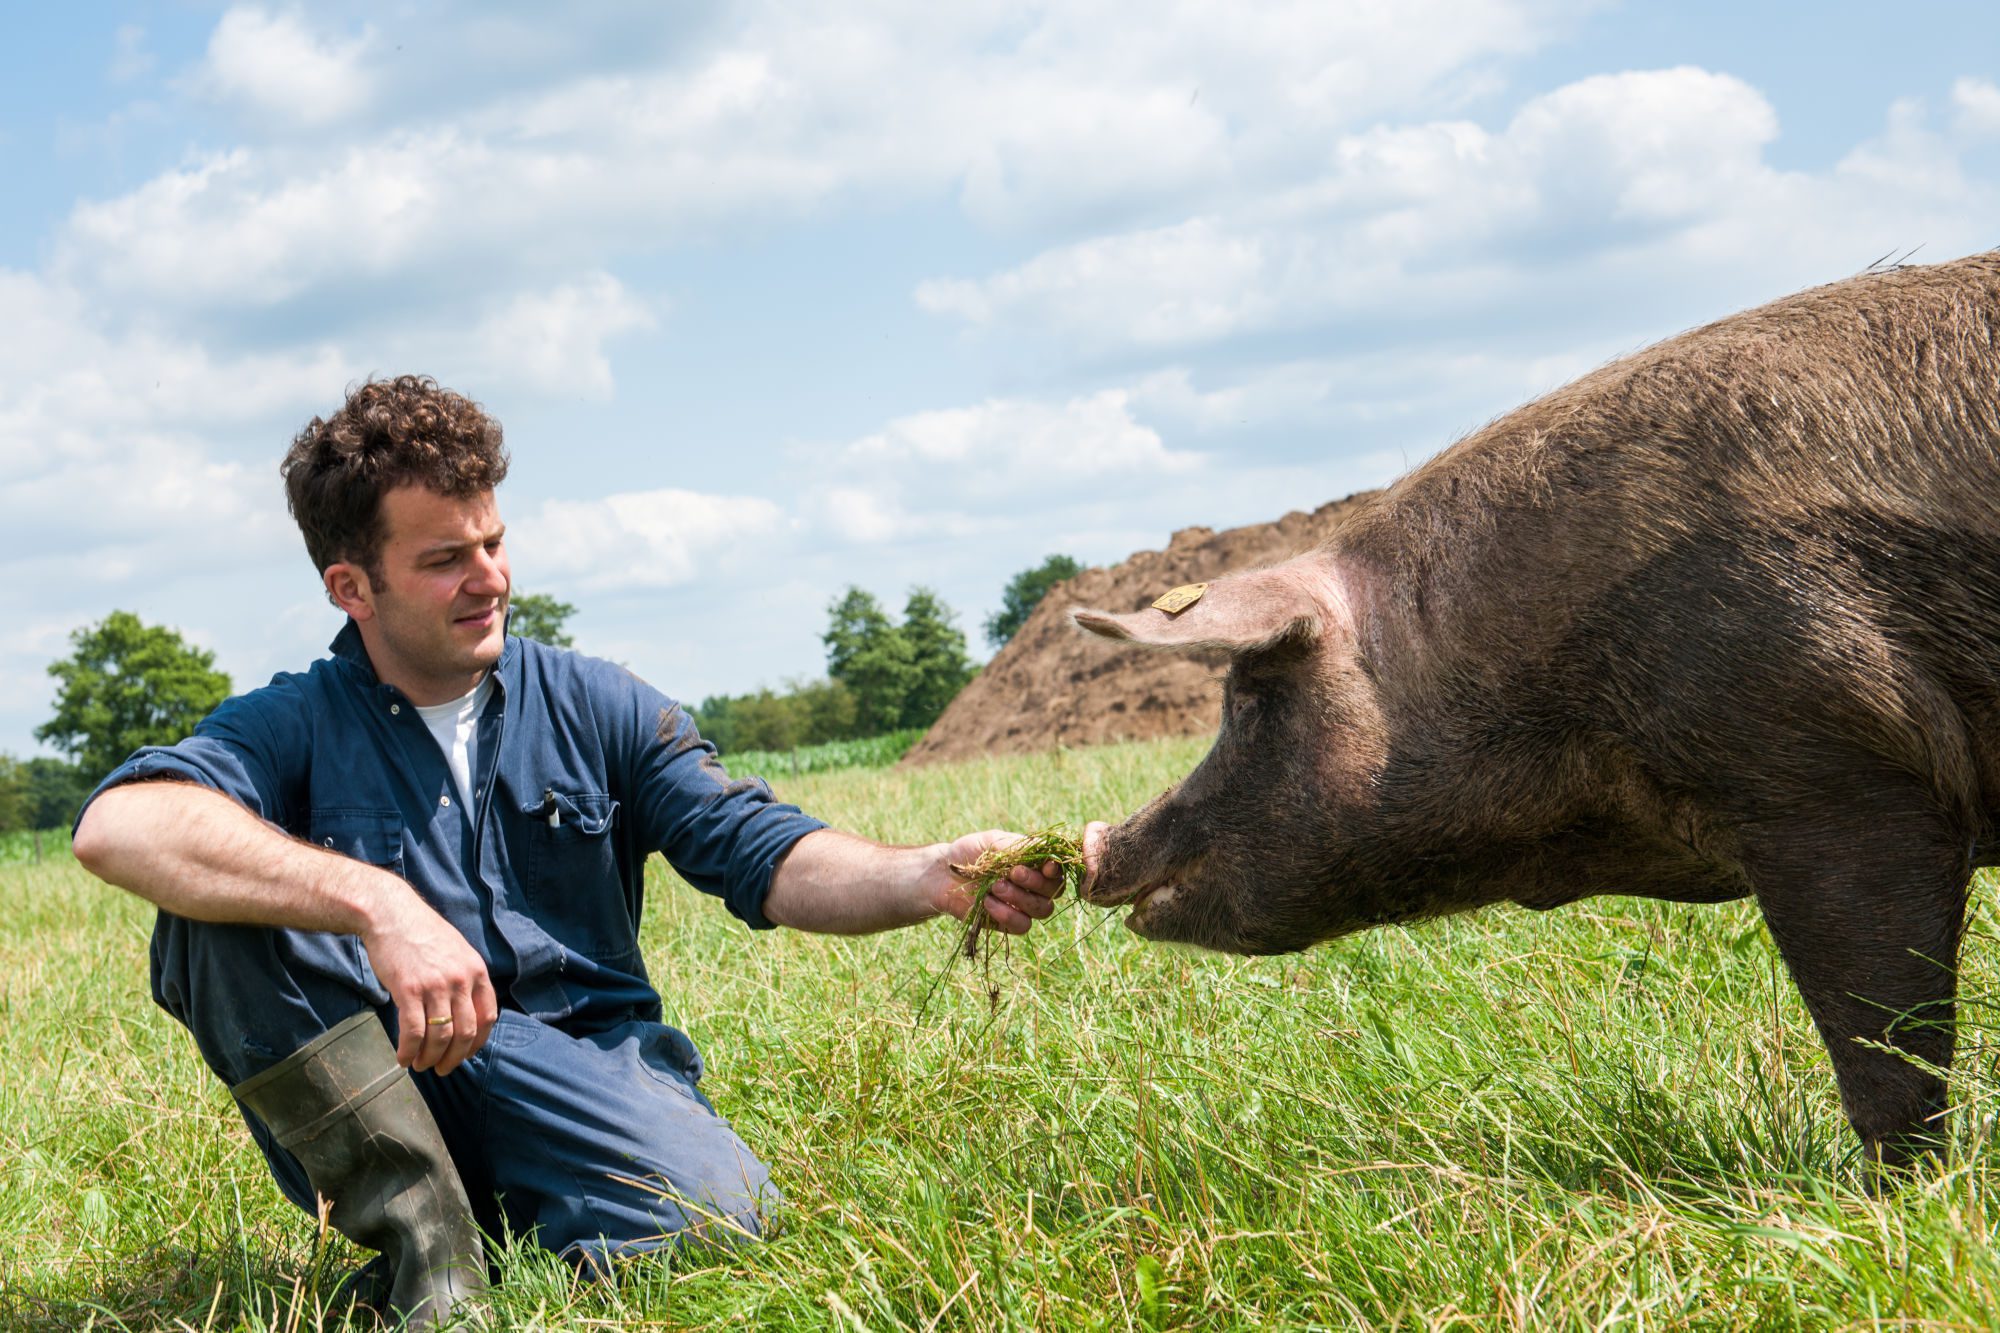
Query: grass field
x=1611, y=1116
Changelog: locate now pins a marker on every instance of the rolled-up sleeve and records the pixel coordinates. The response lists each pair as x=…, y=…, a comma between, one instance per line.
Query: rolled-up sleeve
x=722, y=834
x=250, y=748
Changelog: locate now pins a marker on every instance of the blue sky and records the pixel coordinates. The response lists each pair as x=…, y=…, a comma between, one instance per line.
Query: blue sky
x=772, y=301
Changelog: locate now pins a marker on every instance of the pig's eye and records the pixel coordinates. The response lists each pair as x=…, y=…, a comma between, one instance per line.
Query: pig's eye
x=1242, y=704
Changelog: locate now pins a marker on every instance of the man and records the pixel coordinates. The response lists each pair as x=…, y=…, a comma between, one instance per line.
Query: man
x=439, y=832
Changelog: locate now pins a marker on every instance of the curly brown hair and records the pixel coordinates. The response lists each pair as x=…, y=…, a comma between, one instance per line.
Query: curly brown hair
x=387, y=434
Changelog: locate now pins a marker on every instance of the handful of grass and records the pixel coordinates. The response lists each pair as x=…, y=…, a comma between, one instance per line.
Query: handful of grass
x=1055, y=843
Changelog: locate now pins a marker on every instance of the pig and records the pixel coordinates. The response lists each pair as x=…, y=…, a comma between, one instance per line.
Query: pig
x=1718, y=620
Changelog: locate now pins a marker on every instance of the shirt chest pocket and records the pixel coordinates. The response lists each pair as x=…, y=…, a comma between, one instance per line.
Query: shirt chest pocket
x=573, y=878
x=374, y=836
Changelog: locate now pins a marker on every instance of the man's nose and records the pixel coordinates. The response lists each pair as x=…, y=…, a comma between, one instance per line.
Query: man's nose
x=489, y=574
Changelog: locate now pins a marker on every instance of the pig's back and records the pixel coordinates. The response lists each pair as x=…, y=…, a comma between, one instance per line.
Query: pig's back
x=1788, y=517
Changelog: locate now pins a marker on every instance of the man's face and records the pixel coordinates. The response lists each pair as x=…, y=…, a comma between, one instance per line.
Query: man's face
x=437, y=615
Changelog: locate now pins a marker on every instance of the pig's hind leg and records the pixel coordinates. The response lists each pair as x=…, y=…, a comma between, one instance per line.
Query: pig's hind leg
x=1867, y=906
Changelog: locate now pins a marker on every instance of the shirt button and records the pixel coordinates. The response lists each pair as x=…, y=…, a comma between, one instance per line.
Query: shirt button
x=395, y=708
x=444, y=800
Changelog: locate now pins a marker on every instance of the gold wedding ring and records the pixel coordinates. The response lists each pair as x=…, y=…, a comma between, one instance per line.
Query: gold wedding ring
x=439, y=1022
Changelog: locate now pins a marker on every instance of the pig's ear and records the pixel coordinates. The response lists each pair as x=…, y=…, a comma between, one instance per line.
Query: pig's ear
x=1235, y=613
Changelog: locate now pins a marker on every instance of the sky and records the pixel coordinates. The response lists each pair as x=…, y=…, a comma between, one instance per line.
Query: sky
x=774, y=299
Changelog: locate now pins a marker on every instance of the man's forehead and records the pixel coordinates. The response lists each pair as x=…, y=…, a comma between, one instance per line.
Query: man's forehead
x=413, y=514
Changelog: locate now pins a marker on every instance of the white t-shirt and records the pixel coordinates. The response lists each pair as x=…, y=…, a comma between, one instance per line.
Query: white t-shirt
x=456, y=726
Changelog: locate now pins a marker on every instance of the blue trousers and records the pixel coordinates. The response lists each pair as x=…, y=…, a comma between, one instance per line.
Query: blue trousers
x=598, y=1143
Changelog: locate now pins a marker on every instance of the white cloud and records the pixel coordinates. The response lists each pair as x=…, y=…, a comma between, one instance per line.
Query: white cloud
x=1185, y=283
x=956, y=473
x=1645, y=146
x=129, y=59
x=1016, y=444
x=1040, y=117
x=219, y=232
x=108, y=442
x=554, y=340
x=1361, y=394
x=1907, y=161
x=273, y=66
x=640, y=539
x=868, y=517
x=1977, y=102
x=1608, y=182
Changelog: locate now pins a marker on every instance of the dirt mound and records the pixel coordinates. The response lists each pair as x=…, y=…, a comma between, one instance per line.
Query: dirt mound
x=1055, y=685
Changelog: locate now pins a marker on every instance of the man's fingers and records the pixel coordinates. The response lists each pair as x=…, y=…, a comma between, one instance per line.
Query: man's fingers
x=1046, y=881
x=485, y=1007
x=438, y=1023
x=1024, y=900
x=1006, y=917
x=409, y=1029
x=463, y=1030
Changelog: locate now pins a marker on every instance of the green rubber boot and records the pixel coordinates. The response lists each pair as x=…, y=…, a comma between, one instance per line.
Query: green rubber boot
x=350, y=1114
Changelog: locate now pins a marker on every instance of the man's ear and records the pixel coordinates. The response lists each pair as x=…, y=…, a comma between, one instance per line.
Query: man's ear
x=348, y=588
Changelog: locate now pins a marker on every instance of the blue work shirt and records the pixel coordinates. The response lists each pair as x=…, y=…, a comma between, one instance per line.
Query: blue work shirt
x=583, y=769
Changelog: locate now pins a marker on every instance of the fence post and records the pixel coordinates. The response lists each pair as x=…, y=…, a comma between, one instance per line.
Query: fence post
x=795, y=761
x=38, y=846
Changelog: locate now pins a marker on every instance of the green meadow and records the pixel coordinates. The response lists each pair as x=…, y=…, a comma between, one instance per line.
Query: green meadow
x=1611, y=1116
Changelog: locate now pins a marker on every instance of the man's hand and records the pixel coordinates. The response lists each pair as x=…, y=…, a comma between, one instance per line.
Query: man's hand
x=843, y=885
x=445, y=1005
x=198, y=854
x=1020, y=898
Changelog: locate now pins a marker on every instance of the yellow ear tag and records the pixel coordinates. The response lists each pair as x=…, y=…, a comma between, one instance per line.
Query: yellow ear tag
x=1180, y=599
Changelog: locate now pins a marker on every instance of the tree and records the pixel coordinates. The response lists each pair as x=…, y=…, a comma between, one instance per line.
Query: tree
x=1024, y=594
x=542, y=618
x=128, y=684
x=16, y=811
x=825, y=709
x=938, y=664
x=55, y=791
x=765, y=720
x=715, y=718
x=868, y=655
x=808, y=712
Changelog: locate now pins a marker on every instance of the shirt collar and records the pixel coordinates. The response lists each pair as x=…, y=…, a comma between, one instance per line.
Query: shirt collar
x=347, y=646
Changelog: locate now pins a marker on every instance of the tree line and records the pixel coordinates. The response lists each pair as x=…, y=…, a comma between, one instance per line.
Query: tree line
x=881, y=675
x=127, y=684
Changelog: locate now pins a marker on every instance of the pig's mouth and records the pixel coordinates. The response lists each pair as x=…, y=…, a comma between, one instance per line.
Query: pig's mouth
x=1146, y=905
x=1132, y=898
x=1147, y=900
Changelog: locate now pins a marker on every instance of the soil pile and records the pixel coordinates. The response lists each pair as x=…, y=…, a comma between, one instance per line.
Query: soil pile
x=1055, y=685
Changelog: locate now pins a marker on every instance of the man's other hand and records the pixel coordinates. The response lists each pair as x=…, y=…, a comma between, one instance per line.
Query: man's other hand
x=445, y=1005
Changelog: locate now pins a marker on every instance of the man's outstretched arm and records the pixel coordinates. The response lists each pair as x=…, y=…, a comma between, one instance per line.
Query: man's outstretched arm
x=839, y=884
x=198, y=854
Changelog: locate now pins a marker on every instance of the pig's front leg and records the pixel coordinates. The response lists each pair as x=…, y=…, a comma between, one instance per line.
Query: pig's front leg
x=1867, y=906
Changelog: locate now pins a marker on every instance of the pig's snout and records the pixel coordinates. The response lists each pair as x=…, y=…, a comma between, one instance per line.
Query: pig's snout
x=1128, y=866
x=1112, y=875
